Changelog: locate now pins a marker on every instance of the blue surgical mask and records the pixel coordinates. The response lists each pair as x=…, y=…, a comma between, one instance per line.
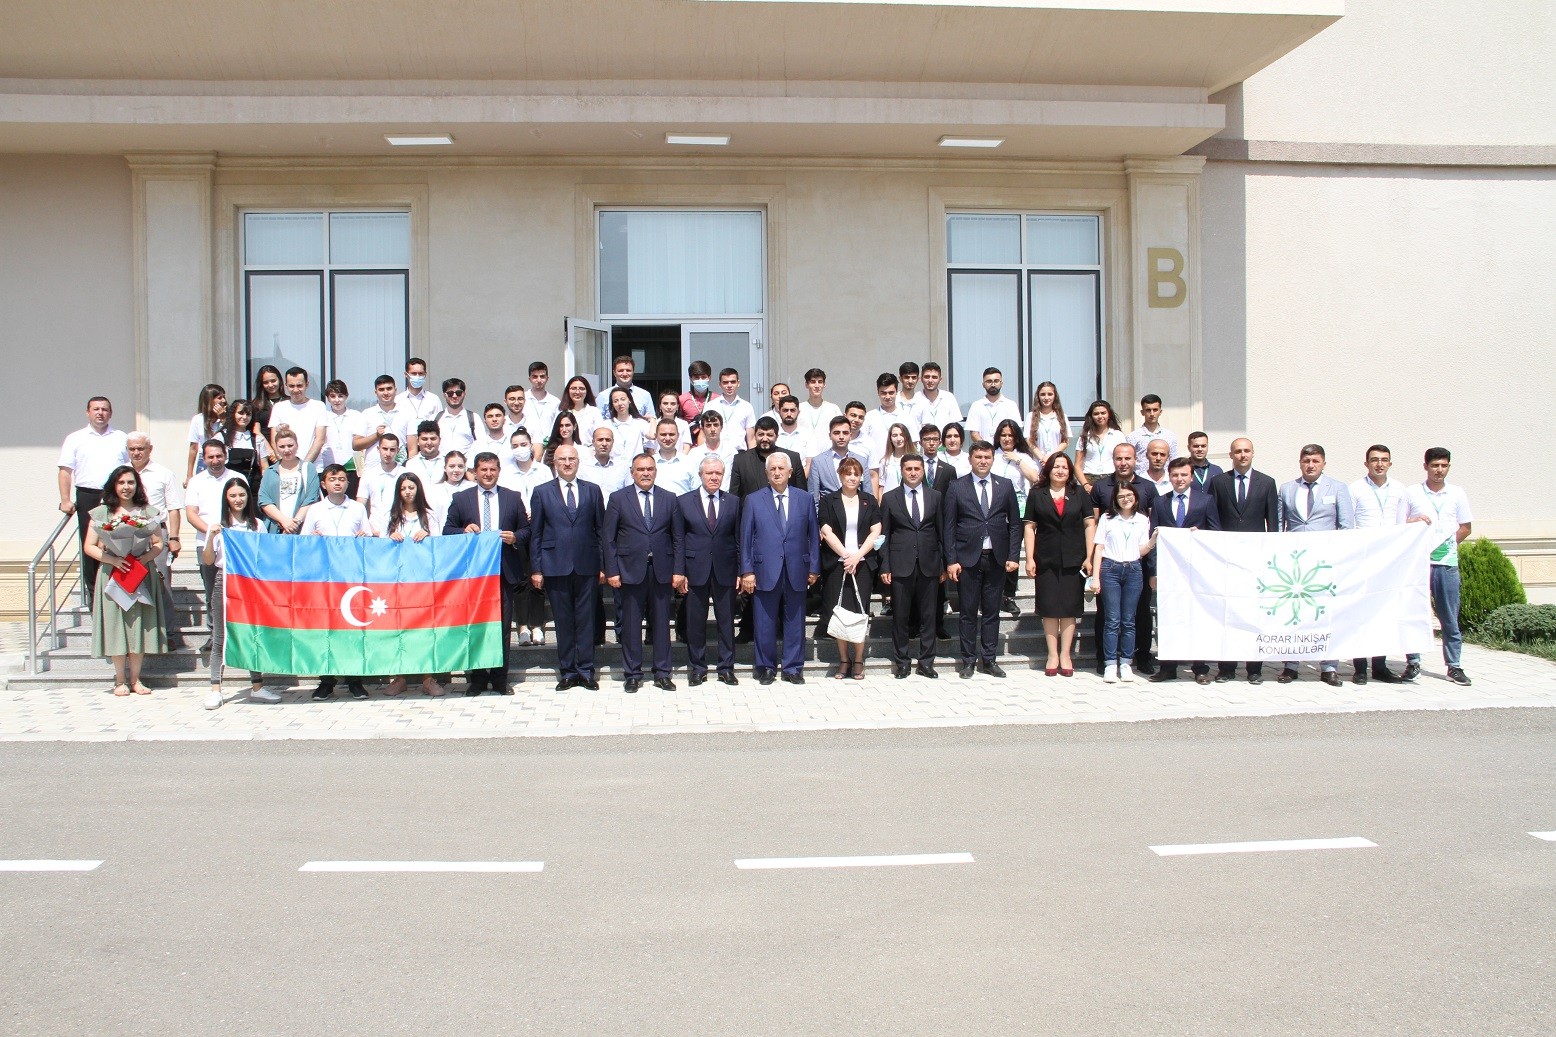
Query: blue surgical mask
x=416, y=380
x=700, y=385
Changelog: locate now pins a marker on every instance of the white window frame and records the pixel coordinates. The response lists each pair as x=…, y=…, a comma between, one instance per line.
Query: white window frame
x=675, y=318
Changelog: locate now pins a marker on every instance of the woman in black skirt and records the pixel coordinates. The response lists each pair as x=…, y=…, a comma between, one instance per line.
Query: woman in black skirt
x=1060, y=525
x=850, y=522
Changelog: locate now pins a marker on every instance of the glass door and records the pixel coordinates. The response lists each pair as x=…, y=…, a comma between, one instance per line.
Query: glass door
x=736, y=344
x=588, y=351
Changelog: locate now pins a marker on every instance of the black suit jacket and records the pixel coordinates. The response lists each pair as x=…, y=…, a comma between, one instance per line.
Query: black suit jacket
x=829, y=512
x=563, y=544
x=701, y=556
x=750, y=472
x=631, y=545
x=1260, y=512
x=1199, y=510
x=911, y=548
x=1060, y=542
x=944, y=476
x=464, y=509
x=963, y=524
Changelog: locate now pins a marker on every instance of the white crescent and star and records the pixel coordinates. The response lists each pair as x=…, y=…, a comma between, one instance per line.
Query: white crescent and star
x=378, y=607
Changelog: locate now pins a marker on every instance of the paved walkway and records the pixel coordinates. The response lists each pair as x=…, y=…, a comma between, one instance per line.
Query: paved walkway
x=1502, y=679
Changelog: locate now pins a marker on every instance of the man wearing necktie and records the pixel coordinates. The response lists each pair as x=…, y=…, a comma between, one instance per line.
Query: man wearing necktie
x=780, y=556
x=939, y=474
x=638, y=539
x=707, y=549
x=1246, y=502
x=980, y=536
x=1315, y=502
x=1185, y=506
x=569, y=514
x=913, y=566
x=490, y=508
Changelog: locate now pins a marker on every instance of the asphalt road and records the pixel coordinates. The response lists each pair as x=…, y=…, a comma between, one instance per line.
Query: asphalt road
x=199, y=921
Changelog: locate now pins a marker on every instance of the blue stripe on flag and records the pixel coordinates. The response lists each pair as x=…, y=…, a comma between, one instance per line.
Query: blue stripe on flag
x=319, y=559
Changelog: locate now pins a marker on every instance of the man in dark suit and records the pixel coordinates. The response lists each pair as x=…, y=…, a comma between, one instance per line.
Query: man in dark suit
x=1199, y=457
x=489, y=508
x=749, y=473
x=1186, y=507
x=980, y=536
x=913, y=565
x=939, y=474
x=1246, y=502
x=707, y=550
x=565, y=554
x=639, y=547
x=780, y=556
x=1145, y=495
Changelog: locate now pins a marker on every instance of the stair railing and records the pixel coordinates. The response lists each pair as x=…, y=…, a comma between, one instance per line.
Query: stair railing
x=58, y=563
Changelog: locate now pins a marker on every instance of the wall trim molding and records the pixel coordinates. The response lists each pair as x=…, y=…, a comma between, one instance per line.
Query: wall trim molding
x=1220, y=149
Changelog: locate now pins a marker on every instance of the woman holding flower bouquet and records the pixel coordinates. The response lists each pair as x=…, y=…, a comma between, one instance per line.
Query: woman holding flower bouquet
x=125, y=537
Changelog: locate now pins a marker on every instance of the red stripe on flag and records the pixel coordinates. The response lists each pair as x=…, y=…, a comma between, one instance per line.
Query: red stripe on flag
x=371, y=606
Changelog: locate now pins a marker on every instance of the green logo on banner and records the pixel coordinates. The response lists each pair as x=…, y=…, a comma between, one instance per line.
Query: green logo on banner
x=1295, y=588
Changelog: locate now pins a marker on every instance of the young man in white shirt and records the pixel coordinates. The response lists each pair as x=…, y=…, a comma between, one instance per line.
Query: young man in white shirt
x=713, y=442
x=1158, y=455
x=672, y=470
x=877, y=425
x=1376, y=499
x=336, y=515
x=165, y=495
x=427, y=463
x=816, y=413
x=420, y=404
x=937, y=406
x=385, y=418
x=456, y=425
x=1150, y=428
x=306, y=417
x=203, y=509
x=984, y=415
x=521, y=472
x=1447, y=510
x=601, y=467
x=542, y=404
x=738, y=415
x=86, y=460
x=794, y=436
x=492, y=436
x=342, y=425
x=863, y=447
x=908, y=397
x=622, y=368
x=376, y=490
x=516, y=413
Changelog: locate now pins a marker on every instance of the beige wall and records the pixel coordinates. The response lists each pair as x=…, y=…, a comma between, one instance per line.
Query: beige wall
x=66, y=321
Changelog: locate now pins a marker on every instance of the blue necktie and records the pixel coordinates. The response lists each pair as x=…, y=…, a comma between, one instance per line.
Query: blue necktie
x=1180, y=511
x=572, y=502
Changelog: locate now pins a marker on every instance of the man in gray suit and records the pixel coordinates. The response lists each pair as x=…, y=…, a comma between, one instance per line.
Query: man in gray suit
x=1315, y=503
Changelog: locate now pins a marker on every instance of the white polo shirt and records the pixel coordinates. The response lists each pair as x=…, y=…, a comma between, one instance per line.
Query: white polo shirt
x=1377, y=505
x=338, y=432
x=164, y=491
x=485, y=444
x=345, y=519
x=640, y=398
x=376, y=488
x=800, y=441
x=545, y=408
x=427, y=470
x=92, y=456
x=608, y=477
x=739, y=416
x=397, y=421
x=458, y=430
x=941, y=411
x=726, y=452
x=984, y=416
x=818, y=420
x=204, y=496
x=674, y=474
x=304, y=419
x=524, y=482
x=1448, y=509
x=1141, y=438
x=877, y=425
x=422, y=405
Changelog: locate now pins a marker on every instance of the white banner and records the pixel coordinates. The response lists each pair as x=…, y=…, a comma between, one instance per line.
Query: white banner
x=1348, y=594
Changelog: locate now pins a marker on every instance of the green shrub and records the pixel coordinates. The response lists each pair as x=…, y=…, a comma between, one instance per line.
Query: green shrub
x=1520, y=624
x=1487, y=582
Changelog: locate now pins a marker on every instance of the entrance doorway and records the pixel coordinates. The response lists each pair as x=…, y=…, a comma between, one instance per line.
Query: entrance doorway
x=655, y=350
x=661, y=352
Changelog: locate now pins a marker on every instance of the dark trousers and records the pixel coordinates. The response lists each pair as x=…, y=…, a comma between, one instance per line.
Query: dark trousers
x=982, y=587
x=1143, y=630
x=914, y=601
x=722, y=595
x=1230, y=669
x=529, y=606
x=573, y=601
x=86, y=500
x=652, y=599
x=782, y=608
x=497, y=676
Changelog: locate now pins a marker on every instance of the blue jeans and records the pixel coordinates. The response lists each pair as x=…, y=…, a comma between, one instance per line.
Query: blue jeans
x=1445, y=602
x=1121, y=585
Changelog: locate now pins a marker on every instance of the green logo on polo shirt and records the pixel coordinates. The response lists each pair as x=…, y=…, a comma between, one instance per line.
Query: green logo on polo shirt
x=1295, y=588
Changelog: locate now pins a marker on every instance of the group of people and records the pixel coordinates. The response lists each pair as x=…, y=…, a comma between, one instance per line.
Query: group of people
x=691, y=501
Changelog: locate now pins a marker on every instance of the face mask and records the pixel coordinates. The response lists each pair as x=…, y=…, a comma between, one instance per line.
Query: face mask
x=523, y=453
x=417, y=380
x=700, y=385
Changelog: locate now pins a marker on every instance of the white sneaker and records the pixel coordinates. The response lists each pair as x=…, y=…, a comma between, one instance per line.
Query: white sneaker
x=213, y=699
x=264, y=695
x=523, y=635
x=537, y=635
x=1125, y=674
x=1110, y=673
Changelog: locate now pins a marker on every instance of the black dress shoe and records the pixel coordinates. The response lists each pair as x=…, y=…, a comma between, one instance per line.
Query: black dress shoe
x=964, y=670
x=1202, y=679
x=926, y=670
x=1145, y=667
x=590, y=683
x=1256, y=678
x=942, y=634
x=1010, y=608
x=633, y=684
x=664, y=684
x=564, y=684
x=696, y=679
x=1224, y=678
x=900, y=671
x=728, y=678
x=503, y=689
x=472, y=691
x=991, y=668
x=1384, y=675
x=765, y=677
x=794, y=678
x=1164, y=675
x=1359, y=677
x=1331, y=678
x=1287, y=676
x=1412, y=671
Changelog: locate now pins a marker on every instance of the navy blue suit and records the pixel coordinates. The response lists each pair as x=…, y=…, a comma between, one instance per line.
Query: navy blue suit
x=641, y=552
x=1199, y=512
x=782, y=556
x=708, y=559
x=963, y=528
x=565, y=550
x=464, y=509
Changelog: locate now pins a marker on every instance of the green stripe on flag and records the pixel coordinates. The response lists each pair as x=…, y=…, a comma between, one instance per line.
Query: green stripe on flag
x=363, y=653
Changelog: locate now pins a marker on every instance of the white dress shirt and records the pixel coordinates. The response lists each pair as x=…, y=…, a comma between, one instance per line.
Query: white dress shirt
x=422, y=404
x=984, y=416
x=91, y=457
x=941, y=411
x=345, y=519
x=204, y=495
x=1377, y=505
x=609, y=477
x=738, y=416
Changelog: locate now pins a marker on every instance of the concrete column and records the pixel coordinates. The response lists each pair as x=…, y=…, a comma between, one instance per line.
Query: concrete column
x=1165, y=283
x=172, y=252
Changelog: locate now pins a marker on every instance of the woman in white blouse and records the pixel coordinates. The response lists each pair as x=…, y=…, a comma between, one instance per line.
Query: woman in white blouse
x=1100, y=434
x=1047, y=428
x=631, y=430
x=410, y=518
x=952, y=438
x=899, y=444
x=1118, y=576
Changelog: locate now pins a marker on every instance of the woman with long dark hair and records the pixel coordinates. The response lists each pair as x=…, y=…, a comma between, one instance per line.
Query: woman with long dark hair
x=268, y=391
x=125, y=537
x=237, y=512
x=409, y=519
x=1058, y=527
x=208, y=423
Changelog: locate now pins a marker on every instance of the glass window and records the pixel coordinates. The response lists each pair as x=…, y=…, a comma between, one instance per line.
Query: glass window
x=674, y=263
x=983, y=239
x=286, y=323
x=1062, y=240
x=985, y=328
x=1064, y=335
x=283, y=238
x=370, y=238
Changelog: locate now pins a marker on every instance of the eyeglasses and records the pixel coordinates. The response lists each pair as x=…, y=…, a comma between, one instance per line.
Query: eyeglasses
x=453, y=392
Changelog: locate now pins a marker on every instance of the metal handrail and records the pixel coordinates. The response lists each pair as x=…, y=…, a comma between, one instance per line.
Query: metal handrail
x=53, y=551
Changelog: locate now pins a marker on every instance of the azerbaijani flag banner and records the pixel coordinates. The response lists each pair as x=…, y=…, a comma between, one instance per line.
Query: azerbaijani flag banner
x=363, y=606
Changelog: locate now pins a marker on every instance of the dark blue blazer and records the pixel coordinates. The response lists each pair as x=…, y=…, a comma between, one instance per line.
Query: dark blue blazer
x=765, y=545
x=464, y=509
x=964, y=525
x=563, y=544
x=700, y=556
x=1211, y=471
x=630, y=544
x=1199, y=511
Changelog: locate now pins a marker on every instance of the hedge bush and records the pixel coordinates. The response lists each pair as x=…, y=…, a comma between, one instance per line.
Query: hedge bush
x=1488, y=581
x=1520, y=624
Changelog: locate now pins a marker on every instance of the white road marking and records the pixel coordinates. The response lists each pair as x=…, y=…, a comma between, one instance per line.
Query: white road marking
x=1267, y=846
x=1549, y=837
x=886, y=861
x=49, y=865
x=424, y=866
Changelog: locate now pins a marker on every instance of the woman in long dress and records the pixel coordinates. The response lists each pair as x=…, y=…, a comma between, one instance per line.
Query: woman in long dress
x=126, y=624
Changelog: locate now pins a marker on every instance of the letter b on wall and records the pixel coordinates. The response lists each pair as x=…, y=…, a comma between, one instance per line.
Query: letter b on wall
x=1164, y=276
